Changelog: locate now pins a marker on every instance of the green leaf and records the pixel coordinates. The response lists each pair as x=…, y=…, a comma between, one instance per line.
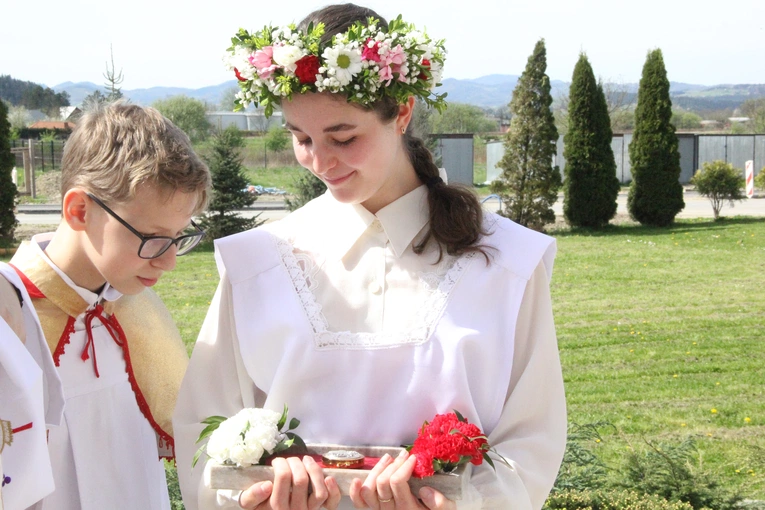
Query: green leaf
x=459, y=416
x=297, y=440
x=283, y=445
x=196, y=456
x=212, y=422
x=294, y=422
x=282, y=418
x=489, y=461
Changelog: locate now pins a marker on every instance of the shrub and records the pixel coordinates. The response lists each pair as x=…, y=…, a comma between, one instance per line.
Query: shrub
x=759, y=180
x=8, y=192
x=581, y=468
x=672, y=472
x=610, y=500
x=308, y=187
x=719, y=182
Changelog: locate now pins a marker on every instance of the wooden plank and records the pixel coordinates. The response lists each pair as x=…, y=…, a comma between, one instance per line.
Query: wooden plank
x=452, y=485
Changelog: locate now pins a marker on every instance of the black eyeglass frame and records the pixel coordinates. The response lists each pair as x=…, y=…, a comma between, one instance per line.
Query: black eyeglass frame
x=144, y=239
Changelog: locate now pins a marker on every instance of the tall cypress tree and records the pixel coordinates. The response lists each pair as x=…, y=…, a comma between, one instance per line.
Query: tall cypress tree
x=591, y=185
x=656, y=195
x=529, y=182
x=8, y=191
x=229, y=187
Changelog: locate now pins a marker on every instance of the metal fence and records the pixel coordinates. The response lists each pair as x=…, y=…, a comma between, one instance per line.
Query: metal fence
x=45, y=155
x=695, y=150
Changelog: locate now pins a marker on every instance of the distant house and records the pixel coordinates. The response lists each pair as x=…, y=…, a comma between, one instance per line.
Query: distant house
x=245, y=121
x=53, y=125
x=71, y=113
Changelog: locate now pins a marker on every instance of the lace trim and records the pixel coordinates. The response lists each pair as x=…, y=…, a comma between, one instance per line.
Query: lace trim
x=426, y=317
x=432, y=279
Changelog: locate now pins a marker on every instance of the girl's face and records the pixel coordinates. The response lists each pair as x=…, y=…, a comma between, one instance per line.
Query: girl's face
x=361, y=159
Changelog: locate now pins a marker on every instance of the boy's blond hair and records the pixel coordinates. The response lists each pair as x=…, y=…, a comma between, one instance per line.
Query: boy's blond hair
x=117, y=147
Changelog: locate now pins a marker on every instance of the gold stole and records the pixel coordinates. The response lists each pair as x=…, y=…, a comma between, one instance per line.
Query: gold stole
x=155, y=356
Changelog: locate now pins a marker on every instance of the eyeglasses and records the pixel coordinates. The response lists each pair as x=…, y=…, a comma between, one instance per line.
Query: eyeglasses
x=154, y=246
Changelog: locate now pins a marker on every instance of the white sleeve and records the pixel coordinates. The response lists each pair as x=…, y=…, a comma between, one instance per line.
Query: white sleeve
x=216, y=383
x=531, y=433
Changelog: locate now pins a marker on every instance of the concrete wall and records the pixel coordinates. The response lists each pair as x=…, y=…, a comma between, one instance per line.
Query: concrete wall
x=695, y=150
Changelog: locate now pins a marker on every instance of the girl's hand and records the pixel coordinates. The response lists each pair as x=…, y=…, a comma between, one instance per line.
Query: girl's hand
x=387, y=488
x=298, y=485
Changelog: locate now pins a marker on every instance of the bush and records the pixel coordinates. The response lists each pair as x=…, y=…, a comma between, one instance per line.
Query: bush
x=671, y=471
x=759, y=180
x=610, y=500
x=719, y=182
x=308, y=187
x=8, y=192
x=581, y=468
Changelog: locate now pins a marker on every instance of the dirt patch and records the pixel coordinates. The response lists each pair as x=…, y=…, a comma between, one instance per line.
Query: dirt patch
x=48, y=187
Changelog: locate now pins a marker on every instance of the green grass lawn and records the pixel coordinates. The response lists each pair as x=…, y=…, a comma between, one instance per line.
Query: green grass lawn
x=661, y=333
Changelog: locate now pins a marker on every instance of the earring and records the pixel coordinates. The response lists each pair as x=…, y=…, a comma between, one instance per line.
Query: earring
x=403, y=130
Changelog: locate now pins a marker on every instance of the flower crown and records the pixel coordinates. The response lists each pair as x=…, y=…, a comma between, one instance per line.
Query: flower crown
x=365, y=63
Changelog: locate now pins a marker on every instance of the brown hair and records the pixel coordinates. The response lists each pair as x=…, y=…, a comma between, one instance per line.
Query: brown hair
x=456, y=215
x=117, y=147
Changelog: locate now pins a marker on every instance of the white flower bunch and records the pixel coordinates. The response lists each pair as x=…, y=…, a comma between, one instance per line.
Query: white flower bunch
x=248, y=437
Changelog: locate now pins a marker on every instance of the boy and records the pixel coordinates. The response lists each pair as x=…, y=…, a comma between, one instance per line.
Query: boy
x=31, y=398
x=130, y=184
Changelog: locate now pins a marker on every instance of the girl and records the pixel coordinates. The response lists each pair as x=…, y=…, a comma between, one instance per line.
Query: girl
x=389, y=299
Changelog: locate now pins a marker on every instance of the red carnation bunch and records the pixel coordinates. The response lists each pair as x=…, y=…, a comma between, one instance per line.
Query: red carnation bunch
x=447, y=442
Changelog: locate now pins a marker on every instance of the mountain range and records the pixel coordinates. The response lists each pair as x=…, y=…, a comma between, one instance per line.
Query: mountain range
x=494, y=90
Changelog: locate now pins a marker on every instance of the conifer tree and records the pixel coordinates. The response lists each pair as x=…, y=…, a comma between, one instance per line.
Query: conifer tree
x=656, y=195
x=8, y=191
x=591, y=186
x=529, y=181
x=229, y=187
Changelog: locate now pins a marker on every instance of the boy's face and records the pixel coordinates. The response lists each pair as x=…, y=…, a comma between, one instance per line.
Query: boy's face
x=113, y=249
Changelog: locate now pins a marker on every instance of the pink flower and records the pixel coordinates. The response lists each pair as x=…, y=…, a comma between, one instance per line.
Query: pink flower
x=371, y=52
x=263, y=61
x=392, y=61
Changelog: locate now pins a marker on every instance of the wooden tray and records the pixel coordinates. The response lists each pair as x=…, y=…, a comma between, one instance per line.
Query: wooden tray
x=452, y=485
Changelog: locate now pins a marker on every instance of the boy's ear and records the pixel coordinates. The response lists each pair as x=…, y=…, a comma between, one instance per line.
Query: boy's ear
x=75, y=208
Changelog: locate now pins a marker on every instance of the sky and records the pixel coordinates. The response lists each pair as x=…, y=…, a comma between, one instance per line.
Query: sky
x=180, y=43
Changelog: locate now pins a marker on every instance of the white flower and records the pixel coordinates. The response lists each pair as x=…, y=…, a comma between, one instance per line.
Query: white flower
x=245, y=437
x=239, y=60
x=287, y=55
x=343, y=62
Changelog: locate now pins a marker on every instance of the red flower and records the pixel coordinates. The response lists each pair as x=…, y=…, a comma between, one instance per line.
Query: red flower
x=307, y=68
x=238, y=76
x=426, y=65
x=371, y=53
x=447, y=442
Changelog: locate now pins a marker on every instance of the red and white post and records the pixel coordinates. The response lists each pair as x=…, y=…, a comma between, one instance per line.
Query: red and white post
x=749, y=174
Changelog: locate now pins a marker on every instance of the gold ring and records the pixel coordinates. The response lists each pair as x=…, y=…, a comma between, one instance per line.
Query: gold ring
x=386, y=500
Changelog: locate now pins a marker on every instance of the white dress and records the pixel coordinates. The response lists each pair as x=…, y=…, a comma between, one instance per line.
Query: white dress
x=332, y=313
x=31, y=400
x=104, y=454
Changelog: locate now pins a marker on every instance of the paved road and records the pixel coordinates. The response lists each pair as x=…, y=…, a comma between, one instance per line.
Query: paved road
x=696, y=206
